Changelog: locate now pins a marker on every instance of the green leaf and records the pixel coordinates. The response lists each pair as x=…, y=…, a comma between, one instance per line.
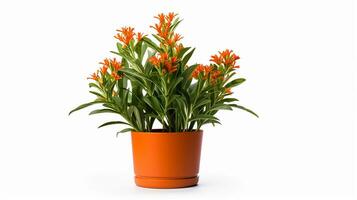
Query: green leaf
x=138, y=117
x=84, y=106
x=234, y=83
x=94, y=85
x=228, y=100
x=97, y=94
x=151, y=44
x=119, y=46
x=221, y=107
x=187, y=76
x=186, y=96
x=188, y=71
x=134, y=73
x=124, y=131
x=183, y=51
x=99, y=111
x=245, y=109
x=175, y=24
x=174, y=84
x=203, y=117
x=187, y=57
x=154, y=103
x=158, y=38
x=212, y=121
x=228, y=77
x=182, y=109
x=113, y=122
x=114, y=52
x=138, y=49
x=144, y=47
x=141, y=77
x=201, y=103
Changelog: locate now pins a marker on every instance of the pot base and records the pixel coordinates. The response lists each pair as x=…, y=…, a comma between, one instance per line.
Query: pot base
x=165, y=183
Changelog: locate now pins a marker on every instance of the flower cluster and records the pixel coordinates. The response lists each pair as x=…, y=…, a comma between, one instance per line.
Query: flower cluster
x=202, y=69
x=219, y=71
x=94, y=76
x=126, y=35
x=164, y=29
x=113, y=65
x=226, y=57
x=207, y=71
x=169, y=41
x=164, y=62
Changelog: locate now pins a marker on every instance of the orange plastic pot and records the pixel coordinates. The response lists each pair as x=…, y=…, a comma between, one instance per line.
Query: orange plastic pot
x=166, y=159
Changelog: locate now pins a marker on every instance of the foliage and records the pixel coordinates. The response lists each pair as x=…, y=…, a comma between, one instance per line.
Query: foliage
x=153, y=81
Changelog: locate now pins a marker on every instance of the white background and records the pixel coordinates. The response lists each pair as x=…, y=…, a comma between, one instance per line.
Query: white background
x=296, y=55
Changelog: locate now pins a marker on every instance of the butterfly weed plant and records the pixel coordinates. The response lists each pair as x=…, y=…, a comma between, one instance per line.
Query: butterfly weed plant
x=152, y=80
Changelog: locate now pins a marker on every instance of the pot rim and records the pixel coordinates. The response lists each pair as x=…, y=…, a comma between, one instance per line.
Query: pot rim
x=161, y=131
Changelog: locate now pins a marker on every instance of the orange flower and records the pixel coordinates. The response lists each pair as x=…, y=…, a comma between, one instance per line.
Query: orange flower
x=140, y=36
x=215, y=76
x=104, y=69
x=94, y=76
x=163, y=28
x=160, y=17
x=208, y=69
x=115, y=64
x=125, y=35
x=226, y=53
x=229, y=58
x=112, y=63
x=216, y=59
x=169, y=64
x=177, y=37
x=169, y=17
x=228, y=91
x=154, y=61
x=200, y=68
x=173, y=40
x=178, y=48
x=204, y=69
x=106, y=62
x=164, y=56
x=235, y=57
x=115, y=76
x=226, y=57
x=158, y=28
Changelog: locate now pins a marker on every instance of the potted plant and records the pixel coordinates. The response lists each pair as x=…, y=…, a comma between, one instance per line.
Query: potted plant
x=154, y=82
